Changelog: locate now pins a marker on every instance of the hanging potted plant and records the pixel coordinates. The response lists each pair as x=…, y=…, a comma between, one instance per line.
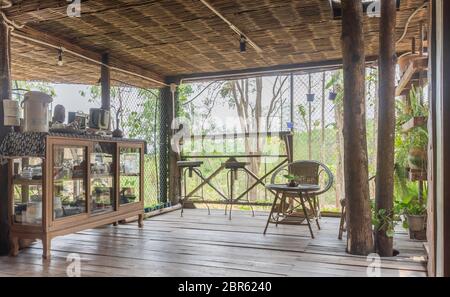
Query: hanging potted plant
x=416, y=110
x=417, y=153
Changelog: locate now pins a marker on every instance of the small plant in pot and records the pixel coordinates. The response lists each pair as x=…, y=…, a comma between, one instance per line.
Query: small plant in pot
x=292, y=180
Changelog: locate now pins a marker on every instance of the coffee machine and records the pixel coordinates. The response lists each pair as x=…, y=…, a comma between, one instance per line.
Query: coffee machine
x=99, y=119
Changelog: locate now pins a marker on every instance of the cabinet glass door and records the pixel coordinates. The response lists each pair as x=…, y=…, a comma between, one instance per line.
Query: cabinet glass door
x=27, y=191
x=130, y=175
x=102, y=170
x=69, y=181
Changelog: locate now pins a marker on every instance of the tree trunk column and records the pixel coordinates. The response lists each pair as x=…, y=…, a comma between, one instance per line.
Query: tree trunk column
x=386, y=124
x=5, y=93
x=359, y=227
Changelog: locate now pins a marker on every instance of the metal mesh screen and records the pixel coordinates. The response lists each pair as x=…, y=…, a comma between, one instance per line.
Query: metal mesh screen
x=135, y=111
x=305, y=99
x=318, y=125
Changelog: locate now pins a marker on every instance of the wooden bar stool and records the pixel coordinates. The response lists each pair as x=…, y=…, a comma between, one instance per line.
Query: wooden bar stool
x=234, y=166
x=187, y=169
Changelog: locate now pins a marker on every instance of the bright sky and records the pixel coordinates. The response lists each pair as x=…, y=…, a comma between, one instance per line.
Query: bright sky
x=69, y=96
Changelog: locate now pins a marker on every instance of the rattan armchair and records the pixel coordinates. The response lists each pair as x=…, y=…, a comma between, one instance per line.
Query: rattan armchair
x=307, y=172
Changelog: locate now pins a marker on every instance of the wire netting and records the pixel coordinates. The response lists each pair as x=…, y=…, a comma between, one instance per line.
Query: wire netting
x=310, y=102
x=136, y=112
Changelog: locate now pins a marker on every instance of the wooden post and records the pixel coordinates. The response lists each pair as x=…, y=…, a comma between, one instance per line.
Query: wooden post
x=106, y=83
x=164, y=126
x=384, y=191
x=359, y=226
x=174, y=155
x=5, y=93
x=291, y=91
x=168, y=171
x=431, y=172
x=441, y=159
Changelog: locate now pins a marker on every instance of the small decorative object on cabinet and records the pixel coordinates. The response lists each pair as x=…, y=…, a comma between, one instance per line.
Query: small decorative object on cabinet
x=61, y=184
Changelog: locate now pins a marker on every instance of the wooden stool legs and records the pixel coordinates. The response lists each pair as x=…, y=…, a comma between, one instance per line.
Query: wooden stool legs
x=342, y=221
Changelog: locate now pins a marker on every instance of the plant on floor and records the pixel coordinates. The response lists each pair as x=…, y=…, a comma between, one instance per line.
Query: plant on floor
x=384, y=220
x=413, y=208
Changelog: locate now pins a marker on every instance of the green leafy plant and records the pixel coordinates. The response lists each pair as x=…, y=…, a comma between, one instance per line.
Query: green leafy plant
x=290, y=177
x=385, y=220
x=409, y=202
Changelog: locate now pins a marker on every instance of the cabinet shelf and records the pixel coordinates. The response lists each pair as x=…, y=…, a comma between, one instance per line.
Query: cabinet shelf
x=85, y=188
x=61, y=180
x=27, y=182
x=100, y=176
x=130, y=174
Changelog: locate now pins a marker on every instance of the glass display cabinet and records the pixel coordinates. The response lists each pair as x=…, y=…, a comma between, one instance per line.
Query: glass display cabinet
x=77, y=183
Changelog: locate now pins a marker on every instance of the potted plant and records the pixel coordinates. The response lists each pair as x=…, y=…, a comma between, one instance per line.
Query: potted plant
x=417, y=154
x=413, y=207
x=292, y=180
x=415, y=110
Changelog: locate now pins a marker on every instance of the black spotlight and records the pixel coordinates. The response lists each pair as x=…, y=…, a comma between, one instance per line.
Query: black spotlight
x=310, y=97
x=243, y=44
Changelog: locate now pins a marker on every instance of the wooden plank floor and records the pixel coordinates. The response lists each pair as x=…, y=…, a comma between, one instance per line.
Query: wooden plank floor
x=202, y=245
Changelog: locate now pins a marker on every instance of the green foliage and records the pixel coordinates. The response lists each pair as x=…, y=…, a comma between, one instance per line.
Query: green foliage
x=21, y=86
x=336, y=84
x=290, y=177
x=418, y=108
x=406, y=193
x=384, y=220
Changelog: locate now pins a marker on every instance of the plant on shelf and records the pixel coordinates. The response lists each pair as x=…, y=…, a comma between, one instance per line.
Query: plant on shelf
x=411, y=162
x=411, y=147
x=414, y=107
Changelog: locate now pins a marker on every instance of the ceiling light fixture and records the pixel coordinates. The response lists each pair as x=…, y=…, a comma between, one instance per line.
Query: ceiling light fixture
x=60, y=58
x=243, y=44
x=233, y=27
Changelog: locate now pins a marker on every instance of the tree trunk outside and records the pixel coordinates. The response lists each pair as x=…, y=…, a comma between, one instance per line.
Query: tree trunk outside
x=386, y=120
x=359, y=227
x=340, y=184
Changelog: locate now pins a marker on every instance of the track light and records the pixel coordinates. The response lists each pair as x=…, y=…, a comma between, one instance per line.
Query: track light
x=60, y=58
x=243, y=44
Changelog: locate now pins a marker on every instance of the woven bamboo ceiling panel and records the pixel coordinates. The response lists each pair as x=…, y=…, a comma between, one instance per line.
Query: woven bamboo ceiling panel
x=181, y=37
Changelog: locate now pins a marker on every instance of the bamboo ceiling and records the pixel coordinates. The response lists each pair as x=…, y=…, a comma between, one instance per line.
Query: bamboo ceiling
x=179, y=37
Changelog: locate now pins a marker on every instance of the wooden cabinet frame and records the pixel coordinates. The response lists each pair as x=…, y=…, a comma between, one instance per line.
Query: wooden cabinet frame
x=52, y=227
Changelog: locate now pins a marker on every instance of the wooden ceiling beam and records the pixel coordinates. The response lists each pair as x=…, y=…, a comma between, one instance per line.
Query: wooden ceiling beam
x=116, y=62
x=265, y=71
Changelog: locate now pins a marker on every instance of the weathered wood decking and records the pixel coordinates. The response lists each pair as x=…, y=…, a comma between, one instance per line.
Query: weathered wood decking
x=202, y=245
